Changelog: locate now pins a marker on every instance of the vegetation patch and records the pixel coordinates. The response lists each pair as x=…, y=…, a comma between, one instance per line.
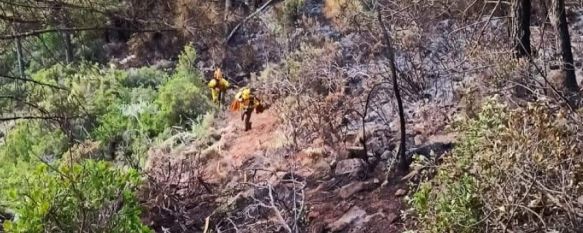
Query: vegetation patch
x=517, y=170
x=87, y=197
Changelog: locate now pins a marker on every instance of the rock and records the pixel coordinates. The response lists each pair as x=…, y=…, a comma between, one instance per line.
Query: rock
x=215, y=135
x=318, y=142
x=350, y=189
x=163, y=64
x=372, y=159
x=400, y=193
x=356, y=152
x=321, y=169
x=386, y=155
x=350, y=166
x=431, y=150
x=353, y=216
x=315, y=152
x=318, y=227
x=351, y=137
x=241, y=198
x=392, y=217
x=360, y=137
x=580, y=200
x=419, y=140
x=127, y=59
x=209, y=153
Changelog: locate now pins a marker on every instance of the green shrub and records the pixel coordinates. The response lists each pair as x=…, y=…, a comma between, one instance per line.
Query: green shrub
x=292, y=11
x=91, y=197
x=46, y=51
x=450, y=202
x=502, y=173
x=201, y=129
x=181, y=101
x=25, y=145
x=184, y=97
x=144, y=77
x=31, y=140
x=186, y=67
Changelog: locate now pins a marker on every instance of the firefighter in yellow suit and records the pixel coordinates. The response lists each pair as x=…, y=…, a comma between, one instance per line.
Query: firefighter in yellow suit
x=218, y=86
x=246, y=101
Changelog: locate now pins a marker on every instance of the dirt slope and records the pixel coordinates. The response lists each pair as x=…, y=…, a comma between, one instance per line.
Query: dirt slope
x=199, y=177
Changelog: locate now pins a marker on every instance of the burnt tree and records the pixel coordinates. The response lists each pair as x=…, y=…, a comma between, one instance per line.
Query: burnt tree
x=390, y=55
x=559, y=21
x=520, y=28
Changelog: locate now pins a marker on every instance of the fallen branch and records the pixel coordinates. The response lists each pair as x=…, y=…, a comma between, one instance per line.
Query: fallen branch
x=37, y=118
x=39, y=32
x=247, y=19
x=33, y=81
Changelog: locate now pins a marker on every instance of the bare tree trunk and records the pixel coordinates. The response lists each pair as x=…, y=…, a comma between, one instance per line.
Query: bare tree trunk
x=20, y=57
x=68, y=47
x=521, y=27
x=559, y=21
x=390, y=54
x=226, y=15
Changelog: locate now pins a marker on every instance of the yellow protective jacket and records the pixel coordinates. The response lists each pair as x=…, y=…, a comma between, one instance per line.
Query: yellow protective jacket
x=219, y=84
x=245, y=100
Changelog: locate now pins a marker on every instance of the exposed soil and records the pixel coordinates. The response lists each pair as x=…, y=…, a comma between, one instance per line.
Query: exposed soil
x=256, y=156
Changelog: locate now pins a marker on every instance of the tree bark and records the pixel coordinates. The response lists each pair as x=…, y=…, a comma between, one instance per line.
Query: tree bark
x=562, y=28
x=521, y=27
x=390, y=54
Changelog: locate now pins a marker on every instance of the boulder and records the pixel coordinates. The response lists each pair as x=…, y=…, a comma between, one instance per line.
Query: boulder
x=353, y=217
x=350, y=189
x=356, y=152
x=419, y=140
x=350, y=166
x=386, y=155
x=400, y=193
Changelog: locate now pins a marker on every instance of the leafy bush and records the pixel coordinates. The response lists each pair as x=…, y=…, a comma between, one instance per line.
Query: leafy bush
x=144, y=77
x=91, y=197
x=186, y=67
x=451, y=202
x=291, y=12
x=181, y=99
x=513, y=170
x=30, y=140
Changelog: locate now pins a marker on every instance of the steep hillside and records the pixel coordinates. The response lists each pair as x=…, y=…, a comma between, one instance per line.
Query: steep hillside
x=381, y=116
